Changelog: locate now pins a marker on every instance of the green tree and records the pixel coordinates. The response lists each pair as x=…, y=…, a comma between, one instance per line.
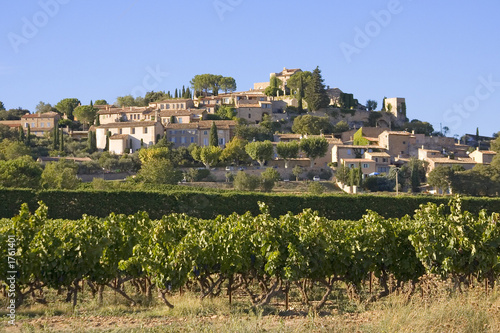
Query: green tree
x=495, y=144
x=159, y=171
x=228, y=84
x=274, y=88
x=60, y=175
x=287, y=151
x=204, y=83
x=243, y=181
x=208, y=155
x=44, y=107
x=341, y=126
x=297, y=171
x=10, y=150
x=371, y=105
x=13, y=114
x=235, y=151
x=21, y=172
x=260, y=151
x=6, y=132
x=22, y=136
x=440, y=177
x=225, y=112
x=213, y=136
x=268, y=179
x=155, y=96
x=127, y=100
x=316, y=188
x=67, y=106
x=315, y=93
x=101, y=102
x=420, y=127
x=61, y=145
x=2, y=106
x=298, y=83
x=342, y=174
x=314, y=125
x=314, y=147
x=86, y=114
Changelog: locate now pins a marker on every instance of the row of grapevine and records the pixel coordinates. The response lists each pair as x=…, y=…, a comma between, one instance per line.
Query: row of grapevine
x=260, y=255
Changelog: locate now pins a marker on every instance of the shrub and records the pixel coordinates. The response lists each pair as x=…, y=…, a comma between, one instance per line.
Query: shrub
x=316, y=188
x=243, y=181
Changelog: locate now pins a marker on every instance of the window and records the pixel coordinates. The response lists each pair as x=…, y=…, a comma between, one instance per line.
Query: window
x=365, y=165
x=41, y=124
x=32, y=124
x=192, y=139
x=183, y=139
x=205, y=132
x=179, y=120
x=376, y=159
x=249, y=116
x=348, y=151
x=132, y=130
x=145, y=130
x=162, y=106
x=221, y=141
x=205, y=141
x=404, y=142
x=351, y=165
x=121, y=131
x=384, y=160
x=26, y=125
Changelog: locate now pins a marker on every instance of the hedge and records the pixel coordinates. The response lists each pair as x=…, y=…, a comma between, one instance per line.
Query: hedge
x=73, y=204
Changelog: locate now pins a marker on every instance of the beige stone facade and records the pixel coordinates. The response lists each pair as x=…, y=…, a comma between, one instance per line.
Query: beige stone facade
x=367, y=166
x=482, y=156
x=182, y=135
x=173, y=104
x=40, y=123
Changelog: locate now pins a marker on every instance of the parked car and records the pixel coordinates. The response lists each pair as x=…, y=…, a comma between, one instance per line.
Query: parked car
x=316, y=178
x=229, y=168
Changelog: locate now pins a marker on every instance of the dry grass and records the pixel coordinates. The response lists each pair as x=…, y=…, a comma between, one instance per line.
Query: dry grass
x=471, y=311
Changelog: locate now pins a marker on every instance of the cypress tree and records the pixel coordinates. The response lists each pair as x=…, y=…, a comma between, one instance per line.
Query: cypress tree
x=89, y=141
x=176, y=94
x=106, y=148
x=94, y=141
x=21, y=134
x=55, y=138
x=214, y=138
x=183, y=92
x=28, y=135
x=316, y=96
x=61, y=148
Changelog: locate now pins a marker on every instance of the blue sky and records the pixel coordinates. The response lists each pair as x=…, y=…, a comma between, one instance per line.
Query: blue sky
x=441, y=56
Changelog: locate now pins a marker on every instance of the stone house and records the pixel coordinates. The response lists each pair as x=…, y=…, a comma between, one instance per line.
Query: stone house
x=40, y=123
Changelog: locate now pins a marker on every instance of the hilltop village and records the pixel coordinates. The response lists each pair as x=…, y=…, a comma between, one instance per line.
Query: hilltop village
x=354, y=142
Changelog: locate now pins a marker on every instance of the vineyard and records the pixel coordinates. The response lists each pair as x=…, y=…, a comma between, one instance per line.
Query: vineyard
x=258, y=257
